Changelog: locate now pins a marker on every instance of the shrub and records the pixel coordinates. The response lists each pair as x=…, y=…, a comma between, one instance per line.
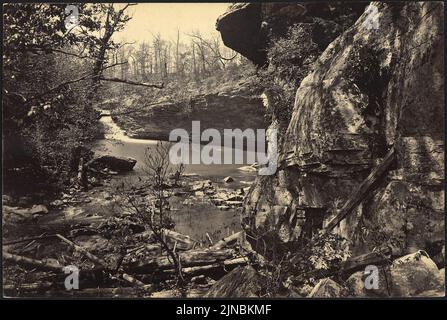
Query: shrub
x=291, y=58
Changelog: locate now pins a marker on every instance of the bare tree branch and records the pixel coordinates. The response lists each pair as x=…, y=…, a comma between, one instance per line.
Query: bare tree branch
x=143, y=84
x=63, y=84
x=214, y=50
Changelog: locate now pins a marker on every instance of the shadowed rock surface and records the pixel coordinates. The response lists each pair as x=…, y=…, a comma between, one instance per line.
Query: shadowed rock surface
x=370, y=91
x=114, y=163
x=241, y=282
x=248, y=27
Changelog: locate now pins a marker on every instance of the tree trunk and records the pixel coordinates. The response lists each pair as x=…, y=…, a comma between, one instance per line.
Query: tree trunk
x=189, y=258
x=82, y=175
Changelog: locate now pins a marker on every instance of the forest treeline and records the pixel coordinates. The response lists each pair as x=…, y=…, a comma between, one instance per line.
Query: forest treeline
x=190, y=55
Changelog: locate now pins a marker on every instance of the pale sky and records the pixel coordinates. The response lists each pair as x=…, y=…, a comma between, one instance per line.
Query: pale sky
x=166, y=18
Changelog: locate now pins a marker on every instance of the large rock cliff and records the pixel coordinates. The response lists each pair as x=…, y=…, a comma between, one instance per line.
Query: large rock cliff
x=157, y=120
x=378, y=86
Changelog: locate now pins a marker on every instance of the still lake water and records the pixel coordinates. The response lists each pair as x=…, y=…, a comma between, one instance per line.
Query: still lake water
x=117, y=143
x=194, y=221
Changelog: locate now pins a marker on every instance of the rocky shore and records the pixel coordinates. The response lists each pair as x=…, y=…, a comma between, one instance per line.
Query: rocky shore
x=95, y=221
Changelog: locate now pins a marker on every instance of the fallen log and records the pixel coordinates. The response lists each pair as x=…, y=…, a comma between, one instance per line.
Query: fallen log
x=189, y=258
x=145, y=247
x=82, y=174
x=59, y=270
x=212, y=268
x=132, y=280
x=373, y=258
x=183, y=242
x=45, y=265
x=363, y=189
x=143, y=84
x=352, y=265
x=191, y=293
x=98, y=261
x=80, y=249
x=120, y=292
x=87, y=280
x=28, y=286
x=38, y=264
x=209, y=238
x=42, y=237
x=26, y=212
x=228, y=241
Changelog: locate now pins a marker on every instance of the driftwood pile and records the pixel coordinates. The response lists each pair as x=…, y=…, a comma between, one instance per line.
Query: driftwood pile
x=131, y=277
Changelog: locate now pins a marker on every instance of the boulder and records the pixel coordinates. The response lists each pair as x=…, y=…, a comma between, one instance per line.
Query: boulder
x=226, y=102
x=201, y=185
x=356, y=285
x=413, y=274
x=328, y=288
x=112, y=163
x=408, y=276
x=240, y=29
x=439, y=292
x=242, y=282
x=228, y=179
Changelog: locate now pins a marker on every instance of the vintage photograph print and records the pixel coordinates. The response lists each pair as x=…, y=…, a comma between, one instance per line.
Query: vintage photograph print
x=266, y=150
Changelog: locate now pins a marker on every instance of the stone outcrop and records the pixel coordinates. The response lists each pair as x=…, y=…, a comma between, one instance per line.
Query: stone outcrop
x=408, y=276
x=248, y=27
x=371, y=90
x=118, y=164
x=242, y=282
x=159, y=119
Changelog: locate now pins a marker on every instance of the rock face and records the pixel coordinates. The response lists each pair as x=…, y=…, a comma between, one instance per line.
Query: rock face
x=247, y=42
x=119, y=164
x=371, y=90
x=247, y=27
x=157, y=120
